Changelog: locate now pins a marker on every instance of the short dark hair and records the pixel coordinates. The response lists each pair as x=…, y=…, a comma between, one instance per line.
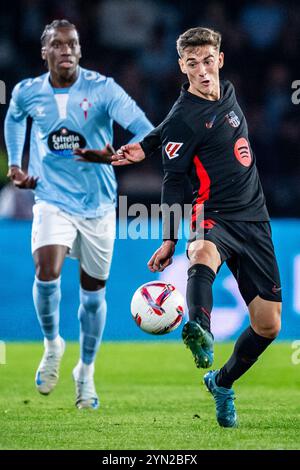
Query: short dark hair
x=198, y=37
x=54, y=25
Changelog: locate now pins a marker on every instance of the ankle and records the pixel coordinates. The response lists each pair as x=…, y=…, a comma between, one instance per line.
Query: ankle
x=52, y=344
x=84, y=371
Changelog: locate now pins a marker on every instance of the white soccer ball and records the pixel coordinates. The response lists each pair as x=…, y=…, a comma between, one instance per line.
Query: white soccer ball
x=157, y=307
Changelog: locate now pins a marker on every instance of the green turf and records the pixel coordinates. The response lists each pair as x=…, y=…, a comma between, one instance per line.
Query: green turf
x=151, y=398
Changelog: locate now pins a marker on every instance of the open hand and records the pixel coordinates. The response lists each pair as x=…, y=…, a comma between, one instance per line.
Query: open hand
x=95, y=156
x=128, y=154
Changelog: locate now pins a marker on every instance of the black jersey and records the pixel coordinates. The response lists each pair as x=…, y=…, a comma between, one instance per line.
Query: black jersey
x=208, y=142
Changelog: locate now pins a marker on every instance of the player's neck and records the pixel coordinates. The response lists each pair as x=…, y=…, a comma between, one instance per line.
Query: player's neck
x=214, y=95
x=57, y=81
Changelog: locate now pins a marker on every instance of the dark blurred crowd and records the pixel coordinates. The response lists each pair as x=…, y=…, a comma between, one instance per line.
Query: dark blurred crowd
x=134, y=41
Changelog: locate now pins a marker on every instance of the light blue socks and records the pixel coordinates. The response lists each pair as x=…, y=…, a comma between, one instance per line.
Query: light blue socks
x=91, y=314
x=46, y=298
x=92, y=317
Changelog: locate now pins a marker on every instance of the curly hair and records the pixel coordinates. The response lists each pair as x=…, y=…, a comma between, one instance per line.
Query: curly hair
x=54, y=25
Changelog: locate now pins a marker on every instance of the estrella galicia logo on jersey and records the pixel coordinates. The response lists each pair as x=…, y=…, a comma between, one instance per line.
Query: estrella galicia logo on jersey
x=64, y=141
x=233, y=119
x=85, y=105
x=172, y=149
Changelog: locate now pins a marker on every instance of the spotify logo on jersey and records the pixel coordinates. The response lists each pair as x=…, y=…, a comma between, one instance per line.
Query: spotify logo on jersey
x=242, y=151
x=64, y=141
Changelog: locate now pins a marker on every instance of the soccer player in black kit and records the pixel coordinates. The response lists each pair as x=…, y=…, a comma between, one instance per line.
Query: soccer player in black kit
x=205, y=137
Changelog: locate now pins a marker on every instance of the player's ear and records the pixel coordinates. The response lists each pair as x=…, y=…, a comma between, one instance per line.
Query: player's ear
x=43, y=53
x=182, y=65
x=80, y=55
x=221, y=60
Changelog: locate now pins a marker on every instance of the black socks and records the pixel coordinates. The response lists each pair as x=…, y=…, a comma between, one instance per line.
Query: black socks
x=247, y=349
x=199, y=294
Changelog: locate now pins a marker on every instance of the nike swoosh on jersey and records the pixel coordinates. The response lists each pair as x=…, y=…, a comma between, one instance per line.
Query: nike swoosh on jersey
x=210, y=123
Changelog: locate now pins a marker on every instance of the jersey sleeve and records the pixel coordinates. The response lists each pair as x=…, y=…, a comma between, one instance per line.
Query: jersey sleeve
x=152, y=141
x=15, y=127
x=172, y=199
x=124, y=110
x=178, y=146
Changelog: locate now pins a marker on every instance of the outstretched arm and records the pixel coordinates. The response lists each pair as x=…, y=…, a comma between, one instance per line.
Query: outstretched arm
x=95, y=156
x=128, y=154
x=137, y=152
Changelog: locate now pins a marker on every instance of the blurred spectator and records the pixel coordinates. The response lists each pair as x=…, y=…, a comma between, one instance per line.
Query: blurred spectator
x=126, y=24
x=263, y=21
x=16, y=203
x=32, y=21
x=278, y=96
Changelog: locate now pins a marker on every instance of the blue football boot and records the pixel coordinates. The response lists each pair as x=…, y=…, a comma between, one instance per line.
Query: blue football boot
x=224, y=399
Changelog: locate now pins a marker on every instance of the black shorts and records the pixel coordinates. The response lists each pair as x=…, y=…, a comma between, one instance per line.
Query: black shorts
x=248, y=251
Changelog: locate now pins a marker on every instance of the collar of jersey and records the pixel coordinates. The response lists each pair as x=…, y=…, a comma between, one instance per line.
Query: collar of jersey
x=73, y=87
x=61, y=91
x=198, y=99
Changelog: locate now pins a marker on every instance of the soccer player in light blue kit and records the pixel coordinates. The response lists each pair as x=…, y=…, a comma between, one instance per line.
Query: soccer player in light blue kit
x=74, y=213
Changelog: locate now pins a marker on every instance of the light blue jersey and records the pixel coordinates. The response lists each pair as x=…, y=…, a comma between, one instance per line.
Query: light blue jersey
x=66, y=119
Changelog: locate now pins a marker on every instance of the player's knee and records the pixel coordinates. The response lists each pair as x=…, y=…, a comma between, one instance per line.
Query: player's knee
x=92, y=303
x=270, y=328
x=203, y=257
x=199, y=253
x=47, y=273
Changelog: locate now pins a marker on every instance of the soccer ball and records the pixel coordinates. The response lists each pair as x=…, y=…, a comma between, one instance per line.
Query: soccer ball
x=157, y=307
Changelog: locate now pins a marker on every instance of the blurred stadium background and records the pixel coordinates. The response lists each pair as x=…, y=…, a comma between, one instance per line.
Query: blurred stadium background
x=134, y=41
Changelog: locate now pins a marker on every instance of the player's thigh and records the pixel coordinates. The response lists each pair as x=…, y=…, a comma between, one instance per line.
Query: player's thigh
x=53, y=234
x=96, y=243
x=258, y=273
x=51, y=226
x=211, y=244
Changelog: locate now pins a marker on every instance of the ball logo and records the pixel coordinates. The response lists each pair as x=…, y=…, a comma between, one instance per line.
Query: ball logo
x=156, y=304
x=172, y=148
x=242, y=152
x=64, y=141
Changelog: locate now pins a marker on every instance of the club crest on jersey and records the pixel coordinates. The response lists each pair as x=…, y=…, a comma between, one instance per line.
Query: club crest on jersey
x=172, y=148
x=85, y=105
x=233, y=119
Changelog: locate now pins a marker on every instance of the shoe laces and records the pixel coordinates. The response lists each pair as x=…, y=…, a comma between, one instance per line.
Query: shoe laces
x=50, y=363
x=224, y=401
x=86, y=389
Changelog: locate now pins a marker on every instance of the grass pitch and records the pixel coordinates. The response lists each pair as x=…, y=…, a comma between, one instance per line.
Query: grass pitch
x=151, y=398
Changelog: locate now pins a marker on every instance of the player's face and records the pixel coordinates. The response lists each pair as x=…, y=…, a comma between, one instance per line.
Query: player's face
x=201, y=65
x=62, y=52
